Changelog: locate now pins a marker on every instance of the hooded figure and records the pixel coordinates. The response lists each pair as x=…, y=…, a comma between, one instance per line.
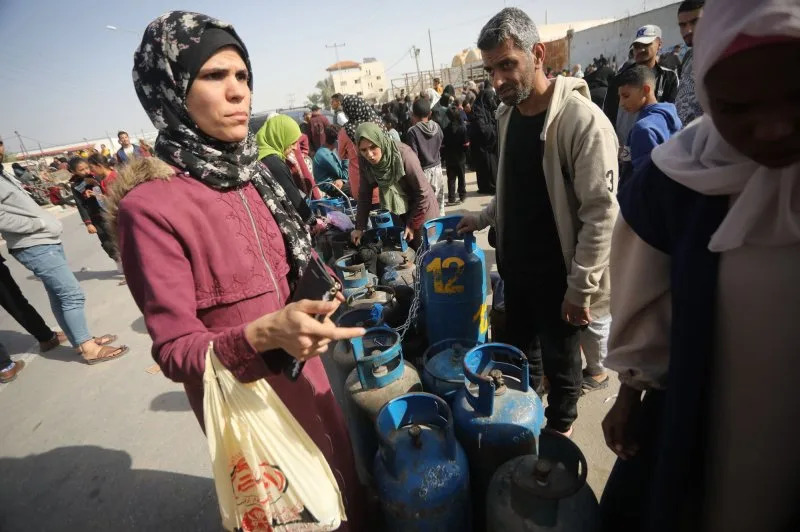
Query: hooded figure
x=211, y=245
x=483, y=140
x=705, y=271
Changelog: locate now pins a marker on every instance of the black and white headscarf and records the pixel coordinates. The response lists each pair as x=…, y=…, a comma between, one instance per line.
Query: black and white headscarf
x=162, y=79
x=357, y=111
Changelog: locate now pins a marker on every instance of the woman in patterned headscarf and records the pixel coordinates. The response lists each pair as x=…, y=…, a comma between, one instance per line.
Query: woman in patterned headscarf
x=211, y=245
x=357, y=112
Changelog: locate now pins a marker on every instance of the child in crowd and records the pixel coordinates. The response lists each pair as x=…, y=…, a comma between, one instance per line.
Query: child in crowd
x=425, y=138
x=329, y=169
x=656, y=122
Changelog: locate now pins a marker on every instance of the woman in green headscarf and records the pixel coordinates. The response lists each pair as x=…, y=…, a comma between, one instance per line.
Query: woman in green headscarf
x=394, y=168
x=277, y=140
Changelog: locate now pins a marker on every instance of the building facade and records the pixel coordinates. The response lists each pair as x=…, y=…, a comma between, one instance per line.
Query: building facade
x=366, y=79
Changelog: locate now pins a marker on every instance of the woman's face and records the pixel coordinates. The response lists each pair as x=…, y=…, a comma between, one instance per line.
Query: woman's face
x=758, y=117
x=96, y=170
x=219, y=98
x=290, y=148
x=82, y=170
x=371, y=152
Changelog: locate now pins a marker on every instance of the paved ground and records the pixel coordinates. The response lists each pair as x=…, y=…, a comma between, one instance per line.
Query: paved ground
x=113, y=447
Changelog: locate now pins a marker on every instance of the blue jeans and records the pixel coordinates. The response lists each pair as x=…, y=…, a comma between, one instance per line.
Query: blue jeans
x=49, y=264
x=5, y=359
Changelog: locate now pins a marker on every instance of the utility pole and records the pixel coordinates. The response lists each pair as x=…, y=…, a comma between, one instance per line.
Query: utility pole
x=415, y=51
x=430, y=43
x=336, y=47
x=21, y=145
x=290, y=100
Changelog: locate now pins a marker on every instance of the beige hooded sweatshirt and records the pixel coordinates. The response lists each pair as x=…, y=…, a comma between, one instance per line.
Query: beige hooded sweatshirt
x=580, y=166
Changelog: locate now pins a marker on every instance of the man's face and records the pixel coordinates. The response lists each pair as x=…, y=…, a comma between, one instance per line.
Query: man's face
x=124, y=140
x=764, y=125
x=307, y=117
x=335, y=104
x=687, y=22
x=631, y=98
x=511, y=71
x=645, y=53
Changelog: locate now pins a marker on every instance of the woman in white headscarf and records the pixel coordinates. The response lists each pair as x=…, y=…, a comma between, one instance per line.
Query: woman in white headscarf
x=706, y=275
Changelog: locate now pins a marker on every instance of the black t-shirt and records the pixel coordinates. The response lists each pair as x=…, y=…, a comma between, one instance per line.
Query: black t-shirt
x=531, y=246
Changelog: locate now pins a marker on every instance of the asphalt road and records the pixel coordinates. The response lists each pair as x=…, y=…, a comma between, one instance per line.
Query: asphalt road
x=114, y=447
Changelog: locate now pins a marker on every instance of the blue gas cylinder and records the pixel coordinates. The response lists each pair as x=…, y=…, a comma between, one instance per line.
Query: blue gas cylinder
x=381, y=219
x=498, y=416
x=354, y=277
x=421, y=472
x=454, y=287
x=443, y=367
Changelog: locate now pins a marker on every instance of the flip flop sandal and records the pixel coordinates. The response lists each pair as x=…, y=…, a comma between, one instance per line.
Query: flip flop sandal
x=116, y=353
x=101, y=341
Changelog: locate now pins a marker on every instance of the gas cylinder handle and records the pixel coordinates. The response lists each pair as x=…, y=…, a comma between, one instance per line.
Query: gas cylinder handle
x=416, y=408
x=556, y=448
x=480, y=360
x=365, y=364
x=434, y=229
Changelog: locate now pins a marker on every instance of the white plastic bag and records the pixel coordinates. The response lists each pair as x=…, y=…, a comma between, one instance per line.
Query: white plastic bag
x=268, y=472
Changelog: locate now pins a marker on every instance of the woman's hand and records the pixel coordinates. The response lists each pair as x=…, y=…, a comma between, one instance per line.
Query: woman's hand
x=91, y=229
x=355, y=236
x=620, y=424
x=295, y=330
x=409, y=234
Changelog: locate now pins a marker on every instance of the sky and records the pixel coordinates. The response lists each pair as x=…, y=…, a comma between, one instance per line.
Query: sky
x=64, y=76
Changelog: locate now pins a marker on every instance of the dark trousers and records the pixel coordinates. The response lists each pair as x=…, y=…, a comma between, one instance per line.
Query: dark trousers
x=552, y=346
x=106, y=241
x=625, y=500
x=17, y=306
x=456, y=172
x=485, y=163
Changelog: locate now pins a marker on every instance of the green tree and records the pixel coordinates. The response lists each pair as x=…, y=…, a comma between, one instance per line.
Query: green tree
x=323, y=95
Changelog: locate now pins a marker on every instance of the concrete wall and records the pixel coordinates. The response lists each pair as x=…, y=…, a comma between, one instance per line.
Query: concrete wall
x=615, y=38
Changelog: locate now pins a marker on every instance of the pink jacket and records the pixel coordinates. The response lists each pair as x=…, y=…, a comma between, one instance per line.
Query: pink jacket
x=201, y=266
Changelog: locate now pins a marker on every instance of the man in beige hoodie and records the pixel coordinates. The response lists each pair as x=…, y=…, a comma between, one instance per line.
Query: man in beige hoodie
x=554, y=210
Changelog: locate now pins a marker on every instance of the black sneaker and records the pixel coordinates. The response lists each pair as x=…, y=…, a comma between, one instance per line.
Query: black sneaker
x=589, y=384
x=453, y=203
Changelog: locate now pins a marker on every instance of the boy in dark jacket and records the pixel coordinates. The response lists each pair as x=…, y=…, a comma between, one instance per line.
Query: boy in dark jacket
x=425, y=138
x=655, y=122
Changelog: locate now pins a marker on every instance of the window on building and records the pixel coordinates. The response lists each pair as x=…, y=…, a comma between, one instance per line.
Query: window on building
x=358, y=81
x=343, y=83
x=381, y=90
x=359, y=93
x=378, y=77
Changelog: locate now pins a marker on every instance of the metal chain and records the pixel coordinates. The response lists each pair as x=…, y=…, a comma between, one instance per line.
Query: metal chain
x=415, y=303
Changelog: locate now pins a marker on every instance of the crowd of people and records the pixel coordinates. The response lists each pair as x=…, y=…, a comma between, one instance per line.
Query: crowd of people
x=660, y=241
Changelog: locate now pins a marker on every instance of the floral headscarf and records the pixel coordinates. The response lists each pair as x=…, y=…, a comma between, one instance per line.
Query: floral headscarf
x=162, y=79
x=358, y=111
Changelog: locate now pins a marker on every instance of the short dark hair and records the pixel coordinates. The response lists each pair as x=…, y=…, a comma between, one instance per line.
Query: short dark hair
x=691, y=5
x=676, y=47
x=337, y=96
x=437, y=80
x=331, y=134
x=98, y=159
x=444, y=101
x=637, y=76
x=74, y=162
x=315, y=108
x=120, y=132
x=422, y=108
x=389, y=118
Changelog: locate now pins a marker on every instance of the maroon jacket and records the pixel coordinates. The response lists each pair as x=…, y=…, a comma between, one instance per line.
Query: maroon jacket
x=318, y=124
x=422, y=204
x=203, y=266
